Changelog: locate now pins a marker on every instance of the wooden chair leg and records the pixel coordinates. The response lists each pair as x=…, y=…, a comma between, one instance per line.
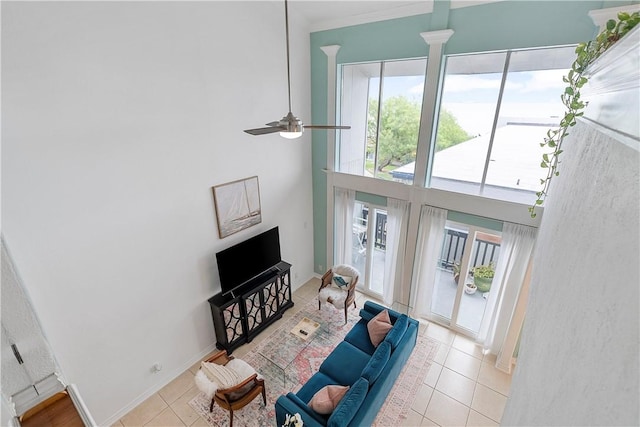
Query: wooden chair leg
x=211, y=407
x=345, y=314
x=319, y=304
x=230, y=417
x=264, y=396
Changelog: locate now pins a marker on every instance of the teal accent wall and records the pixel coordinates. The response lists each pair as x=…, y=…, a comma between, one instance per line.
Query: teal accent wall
x=478, y=221
x=495, y=26
x=374, y=199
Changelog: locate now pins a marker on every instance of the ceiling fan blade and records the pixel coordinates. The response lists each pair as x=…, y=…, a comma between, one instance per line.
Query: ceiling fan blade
x=273, y=124
x=263, y=131
x=326, y=127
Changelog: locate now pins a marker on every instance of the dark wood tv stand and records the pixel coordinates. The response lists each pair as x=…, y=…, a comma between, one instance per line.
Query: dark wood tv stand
x=240, y=316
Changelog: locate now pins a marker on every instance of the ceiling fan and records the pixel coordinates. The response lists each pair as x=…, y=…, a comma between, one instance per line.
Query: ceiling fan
x=289, y=126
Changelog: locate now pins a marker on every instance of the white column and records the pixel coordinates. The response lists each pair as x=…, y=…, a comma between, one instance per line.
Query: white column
x=331, y=51
x=435, y=40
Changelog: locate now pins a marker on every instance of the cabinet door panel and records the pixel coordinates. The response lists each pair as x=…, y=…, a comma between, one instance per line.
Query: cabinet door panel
x=283, y=289
x=271, y=305
x=252, y=306
x=233, y=322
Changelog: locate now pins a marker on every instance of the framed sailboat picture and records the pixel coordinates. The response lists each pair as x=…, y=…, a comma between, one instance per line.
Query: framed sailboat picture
x=237, y=205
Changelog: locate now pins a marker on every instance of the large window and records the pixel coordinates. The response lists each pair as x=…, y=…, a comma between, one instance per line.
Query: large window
x=382, y=102
x=456, y=300
x=495, y=111
x=369, y=246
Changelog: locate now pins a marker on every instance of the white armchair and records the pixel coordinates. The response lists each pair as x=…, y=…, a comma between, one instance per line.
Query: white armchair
x=230, y=382
x=338, y=287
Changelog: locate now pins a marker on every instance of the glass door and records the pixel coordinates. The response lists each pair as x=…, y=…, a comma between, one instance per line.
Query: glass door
x=369, y=246
x=464, y=275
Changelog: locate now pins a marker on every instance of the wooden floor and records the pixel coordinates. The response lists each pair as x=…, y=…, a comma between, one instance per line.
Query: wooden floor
x=57, y=411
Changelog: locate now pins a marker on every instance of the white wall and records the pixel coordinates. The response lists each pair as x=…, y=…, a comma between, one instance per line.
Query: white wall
x=118, y=118
x=578, y=358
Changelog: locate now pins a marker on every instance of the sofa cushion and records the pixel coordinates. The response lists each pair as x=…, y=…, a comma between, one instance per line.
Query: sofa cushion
x=349, y=404
x=378, y=361
x=315, y=383
x=378, y=327
x=397, y=332
x=327, y=398
x=345, y=363
x=359, y=337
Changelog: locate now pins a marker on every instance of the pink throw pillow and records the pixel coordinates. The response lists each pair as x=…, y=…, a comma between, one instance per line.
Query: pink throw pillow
x=378, y=327
x=327, y=398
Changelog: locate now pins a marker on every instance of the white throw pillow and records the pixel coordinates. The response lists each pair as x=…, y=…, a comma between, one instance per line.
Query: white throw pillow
x=220, y=375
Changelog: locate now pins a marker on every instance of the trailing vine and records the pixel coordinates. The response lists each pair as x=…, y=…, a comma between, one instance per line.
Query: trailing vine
x=586, y=53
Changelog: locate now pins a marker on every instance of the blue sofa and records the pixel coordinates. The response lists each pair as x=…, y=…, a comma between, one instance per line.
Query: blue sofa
x=369, y=371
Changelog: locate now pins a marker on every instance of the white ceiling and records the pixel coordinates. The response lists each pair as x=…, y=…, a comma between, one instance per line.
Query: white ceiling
x=324, y=15
x=327, y=14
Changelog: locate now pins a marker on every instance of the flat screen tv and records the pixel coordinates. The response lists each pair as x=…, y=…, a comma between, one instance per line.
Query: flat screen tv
x=247, y=260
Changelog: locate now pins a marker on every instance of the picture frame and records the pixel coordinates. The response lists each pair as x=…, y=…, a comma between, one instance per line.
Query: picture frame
x=237, y=205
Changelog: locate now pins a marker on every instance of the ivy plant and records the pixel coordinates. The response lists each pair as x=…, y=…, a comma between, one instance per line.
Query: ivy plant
x=586, y=53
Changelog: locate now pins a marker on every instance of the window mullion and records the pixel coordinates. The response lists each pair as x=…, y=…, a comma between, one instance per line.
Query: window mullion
x=379, y=114
x=495, y=120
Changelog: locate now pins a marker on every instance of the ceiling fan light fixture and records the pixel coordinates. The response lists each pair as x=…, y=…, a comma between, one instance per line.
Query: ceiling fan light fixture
x=290, y=134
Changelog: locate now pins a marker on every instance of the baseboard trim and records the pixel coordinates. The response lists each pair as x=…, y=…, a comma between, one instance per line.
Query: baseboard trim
x=81, y=407
x=155, y=388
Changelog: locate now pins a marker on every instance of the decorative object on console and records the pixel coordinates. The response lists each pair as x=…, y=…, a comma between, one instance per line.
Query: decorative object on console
x=341, y=297
x=237, y=205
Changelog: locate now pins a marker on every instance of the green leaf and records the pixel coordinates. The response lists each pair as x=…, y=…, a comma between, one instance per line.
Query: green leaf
x=538, y=202
x=622, y=16
x=544, y=165
x=552, y=144
x=611, y=24
x=545, y=157
x=568, y=90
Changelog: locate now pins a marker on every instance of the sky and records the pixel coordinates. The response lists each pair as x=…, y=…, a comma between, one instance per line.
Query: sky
x=472, y=97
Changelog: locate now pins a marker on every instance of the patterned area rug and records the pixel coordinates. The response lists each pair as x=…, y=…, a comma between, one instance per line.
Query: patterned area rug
x=303, y=360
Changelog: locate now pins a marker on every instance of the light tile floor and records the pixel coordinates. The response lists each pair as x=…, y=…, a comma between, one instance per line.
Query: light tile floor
x=463, y=387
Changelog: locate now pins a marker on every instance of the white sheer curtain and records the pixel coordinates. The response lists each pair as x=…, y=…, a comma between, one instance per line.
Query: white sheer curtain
x=432, y=222
x=343, y=225
x=397, y=219
x=515, y=251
